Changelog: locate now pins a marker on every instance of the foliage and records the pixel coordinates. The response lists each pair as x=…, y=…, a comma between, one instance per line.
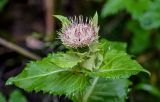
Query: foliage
x=141, y=38
x=15, y=96
x=2, y=4
x=157, y=41
x=72, y=72
x=63, y=19
x=144, y=11
x=103, y=90
x=2, y=98
x=151, y=18
x=149, y=88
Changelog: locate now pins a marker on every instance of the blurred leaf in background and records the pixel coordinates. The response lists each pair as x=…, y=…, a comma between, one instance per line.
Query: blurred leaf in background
x=111, y=7
x=149, y=88
x=17, y=96
x=2, y=4
x=158, y=40
x=2, y=98
x=141, y=38
x=135, y=7
x=144, y=11
x=151, y=18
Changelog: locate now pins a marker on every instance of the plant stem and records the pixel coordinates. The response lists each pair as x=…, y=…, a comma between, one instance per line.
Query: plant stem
x=88, y=93
x=18, y=49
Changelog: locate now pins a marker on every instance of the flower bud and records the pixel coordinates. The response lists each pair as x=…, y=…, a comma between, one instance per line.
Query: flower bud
x=79, y=33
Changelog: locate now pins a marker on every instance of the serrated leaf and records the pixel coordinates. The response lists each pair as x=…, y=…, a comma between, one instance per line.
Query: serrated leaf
x=45, y=76
x=117, y=64
x=2, y=98
x=66, y=60
x=64, y=20
x=102, y=90
x=112, y=7
x=106, y=45
x=16, y=96
x=95, y=19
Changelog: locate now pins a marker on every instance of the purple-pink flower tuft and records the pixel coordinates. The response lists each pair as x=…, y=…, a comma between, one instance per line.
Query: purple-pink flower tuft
x=79, y=33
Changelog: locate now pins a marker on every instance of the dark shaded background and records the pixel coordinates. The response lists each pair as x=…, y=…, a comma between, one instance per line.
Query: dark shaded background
x=30, y=25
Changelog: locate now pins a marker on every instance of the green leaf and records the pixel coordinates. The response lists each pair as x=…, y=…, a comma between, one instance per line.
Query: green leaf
x=149, y=88
x=117, y=64
x=2, y=98
x=106, y=45
x=66, y=60
x=151, y=18
x=95, y=19
x=64, y=20
x=103, y=90
x=16, y=96
x=137, y=7
x=112, y=7
x=145, y=11
x=45, y=76
x=140, y=41
x=141, y=38
x=2, y=4
x=158, y=41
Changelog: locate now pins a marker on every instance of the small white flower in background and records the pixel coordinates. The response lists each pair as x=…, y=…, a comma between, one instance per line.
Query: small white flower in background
x=79, y=32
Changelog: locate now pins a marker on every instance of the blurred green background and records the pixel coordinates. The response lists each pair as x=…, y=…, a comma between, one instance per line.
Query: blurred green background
x=28, y=32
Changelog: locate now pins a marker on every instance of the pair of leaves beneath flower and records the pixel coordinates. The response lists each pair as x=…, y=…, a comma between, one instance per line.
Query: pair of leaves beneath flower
x=102, y=90
x=62, y=73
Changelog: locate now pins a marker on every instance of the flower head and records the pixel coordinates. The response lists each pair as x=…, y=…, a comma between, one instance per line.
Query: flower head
x=79, y=32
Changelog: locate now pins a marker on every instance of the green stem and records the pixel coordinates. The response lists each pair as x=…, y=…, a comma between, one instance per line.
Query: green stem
x=89, y=92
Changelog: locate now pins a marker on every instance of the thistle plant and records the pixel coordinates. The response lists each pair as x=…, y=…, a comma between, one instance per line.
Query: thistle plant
x=98, y=74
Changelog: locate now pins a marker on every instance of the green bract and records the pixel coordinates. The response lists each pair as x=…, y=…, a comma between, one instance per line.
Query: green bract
x=84, y=76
